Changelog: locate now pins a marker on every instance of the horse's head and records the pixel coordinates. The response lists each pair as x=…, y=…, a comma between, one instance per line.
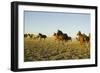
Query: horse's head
x=59, y=32
x=40, y=34
x=79, y=33
x=54, y=34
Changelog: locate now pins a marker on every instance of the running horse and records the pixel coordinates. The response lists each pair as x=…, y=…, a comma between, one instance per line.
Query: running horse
x=60, y=36
x=83, y=38
x=42, y=36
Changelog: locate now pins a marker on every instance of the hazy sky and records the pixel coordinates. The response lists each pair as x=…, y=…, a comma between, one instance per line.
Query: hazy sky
x=49, y=22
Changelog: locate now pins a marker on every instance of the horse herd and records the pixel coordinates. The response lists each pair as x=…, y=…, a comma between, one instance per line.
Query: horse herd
x=39, y=36
x=60, y=36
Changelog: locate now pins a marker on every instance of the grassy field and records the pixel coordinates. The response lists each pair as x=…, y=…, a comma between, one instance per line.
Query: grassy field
x=49, y=49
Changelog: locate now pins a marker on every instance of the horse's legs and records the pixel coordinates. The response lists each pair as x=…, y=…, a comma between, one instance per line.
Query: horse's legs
x=44, y=38
x=63, y=42
x=71, y=40
x=87, y=43
x=40, y=39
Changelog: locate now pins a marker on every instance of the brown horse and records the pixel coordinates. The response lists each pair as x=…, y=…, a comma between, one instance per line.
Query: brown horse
x=60, y=36
x=83, y=38
x=25, y=35
x=28, y=35
x=41, y=36
x=69, y=38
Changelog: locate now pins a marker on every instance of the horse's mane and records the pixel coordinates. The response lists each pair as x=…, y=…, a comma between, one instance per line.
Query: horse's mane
x=79, y=33
x=59, y=32
x=65, y=34
x=40, y=34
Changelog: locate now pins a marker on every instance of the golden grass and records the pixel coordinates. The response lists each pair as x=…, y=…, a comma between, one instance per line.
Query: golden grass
x=49, y=49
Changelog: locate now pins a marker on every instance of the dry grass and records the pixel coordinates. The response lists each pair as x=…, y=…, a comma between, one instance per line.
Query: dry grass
x=49, y=49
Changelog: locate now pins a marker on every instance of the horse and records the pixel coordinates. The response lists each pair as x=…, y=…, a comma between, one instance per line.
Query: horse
x=41, y=36
x=69, y=38
x=60, y=36
x=25, y=35
x=36, y=37
x=31, y=35
x=59, y=32
x=83, y=38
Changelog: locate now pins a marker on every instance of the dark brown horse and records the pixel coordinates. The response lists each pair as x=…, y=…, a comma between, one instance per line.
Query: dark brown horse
x=31, y=35
x=41, y=36
x=25, y=35
x=28, y=35
x=60, y=36
x=69, y=38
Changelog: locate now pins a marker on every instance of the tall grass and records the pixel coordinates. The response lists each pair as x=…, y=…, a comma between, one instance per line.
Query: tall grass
x=49, y=49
